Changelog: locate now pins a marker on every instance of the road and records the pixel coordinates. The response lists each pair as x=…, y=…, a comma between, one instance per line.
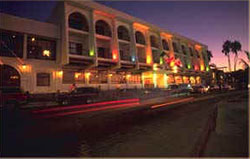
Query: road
x=170, y=129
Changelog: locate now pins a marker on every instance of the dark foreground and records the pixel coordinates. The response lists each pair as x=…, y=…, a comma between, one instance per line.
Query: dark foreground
x=176, y=130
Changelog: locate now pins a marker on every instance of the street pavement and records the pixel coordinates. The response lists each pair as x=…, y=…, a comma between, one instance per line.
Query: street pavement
x=171, y=130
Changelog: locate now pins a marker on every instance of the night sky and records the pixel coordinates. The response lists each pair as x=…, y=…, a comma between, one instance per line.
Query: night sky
x=208, y=22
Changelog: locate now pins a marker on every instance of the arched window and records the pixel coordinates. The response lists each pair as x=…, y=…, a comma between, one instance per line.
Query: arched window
x=183, y=49
x=102, y=28
x=123, y=33
x=154, y=41
x=191, y=51
x=78, y=21
x=139, y=37
x=165, y=45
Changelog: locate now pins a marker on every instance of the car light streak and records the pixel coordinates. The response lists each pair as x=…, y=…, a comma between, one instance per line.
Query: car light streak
x=92, y=110
x=85, y=105
x=170, y=103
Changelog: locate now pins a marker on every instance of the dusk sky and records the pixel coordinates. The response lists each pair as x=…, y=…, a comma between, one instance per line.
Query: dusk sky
x=209, y=22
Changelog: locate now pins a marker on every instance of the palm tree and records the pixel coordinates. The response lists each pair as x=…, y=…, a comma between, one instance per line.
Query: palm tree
x=226, y=48
x=209, y=55
x=235, y=47
x=244, y=62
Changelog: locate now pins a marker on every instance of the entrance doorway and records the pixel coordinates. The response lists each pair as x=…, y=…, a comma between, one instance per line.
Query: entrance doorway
x=9, y=76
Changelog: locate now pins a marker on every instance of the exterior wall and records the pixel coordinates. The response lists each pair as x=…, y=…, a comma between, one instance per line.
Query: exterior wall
x=94, y=12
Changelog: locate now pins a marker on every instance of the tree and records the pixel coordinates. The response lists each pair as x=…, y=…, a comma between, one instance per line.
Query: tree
x=226, y=48
x=244, y=62
x=209, y=55
x=235, y=47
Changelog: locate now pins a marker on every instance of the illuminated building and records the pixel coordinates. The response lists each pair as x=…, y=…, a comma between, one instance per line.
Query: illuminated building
x=89, y=44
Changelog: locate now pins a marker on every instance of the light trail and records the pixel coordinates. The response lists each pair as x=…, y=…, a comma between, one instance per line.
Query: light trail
x=92, y=110
x=170, y=103
x=84, y=105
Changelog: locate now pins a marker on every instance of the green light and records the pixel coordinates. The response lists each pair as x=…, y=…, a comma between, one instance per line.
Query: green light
x=207, y=69
x=161, y=60
x=189, y=66
x=91, y=53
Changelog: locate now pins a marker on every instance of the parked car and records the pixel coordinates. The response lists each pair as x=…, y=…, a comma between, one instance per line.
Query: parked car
x=12, y=96
x=200, y=89
x=181, y=88
x=81, y=95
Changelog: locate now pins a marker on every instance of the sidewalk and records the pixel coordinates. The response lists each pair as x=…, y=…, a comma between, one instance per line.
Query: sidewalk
x=230, y=138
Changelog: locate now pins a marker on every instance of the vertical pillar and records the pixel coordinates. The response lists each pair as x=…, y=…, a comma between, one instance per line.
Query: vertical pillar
x=149, y=59
x=115, y=46
x=92, y=39
x=133, y=46
x=25, y=46
x=64, y=58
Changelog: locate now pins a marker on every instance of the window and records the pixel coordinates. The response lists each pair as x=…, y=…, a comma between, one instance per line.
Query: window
x=191, y=51
x=78, y=21
x=197, y=53
x=124, y=51
x=100, y=77
x=102, y=28
x=11, y=44
x=117, y=78
x=183, y=49
x=139, y=37
x=154, y=42
x=135, y=79
x=70, y=77
x=123, y=33
x=156, y=56
x=175, y=47
x=103, y=48
x=41, y=48
x=165, y=45
x=43, y=79
x=141, y=54
x=75, y=48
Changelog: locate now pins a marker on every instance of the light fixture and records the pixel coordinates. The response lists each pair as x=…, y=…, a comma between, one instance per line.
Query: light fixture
x=46, y=53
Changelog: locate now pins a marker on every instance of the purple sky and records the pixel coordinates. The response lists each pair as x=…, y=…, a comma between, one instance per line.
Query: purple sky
x=208, y=22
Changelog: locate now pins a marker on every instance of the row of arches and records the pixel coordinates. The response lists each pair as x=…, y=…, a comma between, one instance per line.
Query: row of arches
x=79, y=22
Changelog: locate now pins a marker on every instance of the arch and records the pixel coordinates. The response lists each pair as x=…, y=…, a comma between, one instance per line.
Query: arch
x=139, y=38
x=9, y=76
x=165, y=45
x=154, y=41
x=78, y=21
x=102, y=28
x=123, y=33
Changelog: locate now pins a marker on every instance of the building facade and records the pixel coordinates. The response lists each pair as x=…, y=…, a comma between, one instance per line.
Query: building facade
x=89, y=44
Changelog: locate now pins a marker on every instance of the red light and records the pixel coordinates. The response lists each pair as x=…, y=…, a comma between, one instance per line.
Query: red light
x=92, y=110
x=85, y=105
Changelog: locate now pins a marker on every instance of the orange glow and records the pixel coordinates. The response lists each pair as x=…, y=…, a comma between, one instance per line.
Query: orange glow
x=128, y=76
x=110, y=75
x=87, y=74
x=196, y=68
x=104, y=14
x=174, y=102
x=168, y=36
x=197, y=46
x=172, y=64
x=202, y=68
x=140, y=26
x=149, y=60
x=114, y=54
x=59, y=74
x=24, y=67
x=77, y=75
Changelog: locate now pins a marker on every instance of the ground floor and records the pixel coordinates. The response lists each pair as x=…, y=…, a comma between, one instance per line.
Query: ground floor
x=41, y=77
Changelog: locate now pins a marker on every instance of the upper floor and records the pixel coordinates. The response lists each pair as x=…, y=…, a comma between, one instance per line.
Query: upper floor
x=91, y=34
